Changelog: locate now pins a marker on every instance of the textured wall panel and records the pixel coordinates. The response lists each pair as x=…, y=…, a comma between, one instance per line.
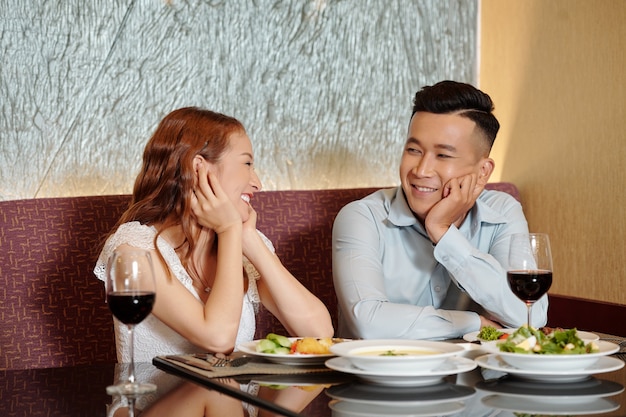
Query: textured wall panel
x=323, y=87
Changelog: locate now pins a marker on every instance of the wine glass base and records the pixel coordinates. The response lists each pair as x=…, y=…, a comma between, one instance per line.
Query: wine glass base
x=129, y=389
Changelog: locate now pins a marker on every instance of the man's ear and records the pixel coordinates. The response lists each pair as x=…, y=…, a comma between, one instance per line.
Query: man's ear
x=486, y=169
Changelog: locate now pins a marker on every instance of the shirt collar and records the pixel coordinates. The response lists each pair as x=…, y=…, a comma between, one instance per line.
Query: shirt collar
x=400, y=213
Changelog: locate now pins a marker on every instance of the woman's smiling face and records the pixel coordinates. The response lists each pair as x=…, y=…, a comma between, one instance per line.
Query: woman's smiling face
x=439, y=147
x=235, y=171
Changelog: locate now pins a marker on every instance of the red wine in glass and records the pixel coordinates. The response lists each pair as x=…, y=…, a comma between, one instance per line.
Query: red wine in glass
x=529, y=286
x=131, y=293
x=131, y=308
x=529, y=273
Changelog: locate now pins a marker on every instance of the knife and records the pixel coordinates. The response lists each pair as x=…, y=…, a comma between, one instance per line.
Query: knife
x=196, y=364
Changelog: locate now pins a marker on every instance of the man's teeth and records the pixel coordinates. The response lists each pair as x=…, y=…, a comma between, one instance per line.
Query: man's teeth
x=426, y=189
x=245, y=198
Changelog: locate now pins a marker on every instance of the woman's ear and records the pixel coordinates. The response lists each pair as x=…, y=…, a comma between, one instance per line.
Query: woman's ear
x=197, y=161
x=485, y=170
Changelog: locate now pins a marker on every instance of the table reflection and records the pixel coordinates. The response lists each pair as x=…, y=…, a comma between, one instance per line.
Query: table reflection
x=191, y=400
x=587, y=396
x=80, y=391
x=223, y=397
x=503, y=396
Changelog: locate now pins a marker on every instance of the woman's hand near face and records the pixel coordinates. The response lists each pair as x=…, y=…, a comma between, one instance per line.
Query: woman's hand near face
x=251, y=237
x=211, y=205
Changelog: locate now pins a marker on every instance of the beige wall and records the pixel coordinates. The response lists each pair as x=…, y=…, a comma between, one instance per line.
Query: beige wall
x=557, y=73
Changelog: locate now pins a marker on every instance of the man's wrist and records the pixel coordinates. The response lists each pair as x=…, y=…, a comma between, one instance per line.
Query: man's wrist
x=435, y=234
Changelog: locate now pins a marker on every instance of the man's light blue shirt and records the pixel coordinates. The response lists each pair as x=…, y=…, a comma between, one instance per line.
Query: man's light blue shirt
x=392, y=282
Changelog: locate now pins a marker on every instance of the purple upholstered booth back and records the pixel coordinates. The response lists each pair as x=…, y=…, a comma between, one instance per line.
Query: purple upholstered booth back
x=52, y=309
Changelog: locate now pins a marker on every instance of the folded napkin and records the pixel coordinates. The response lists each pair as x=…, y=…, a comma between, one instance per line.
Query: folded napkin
x=254, y=367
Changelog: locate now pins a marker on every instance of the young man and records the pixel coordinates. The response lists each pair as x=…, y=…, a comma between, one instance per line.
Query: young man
x=427, y=259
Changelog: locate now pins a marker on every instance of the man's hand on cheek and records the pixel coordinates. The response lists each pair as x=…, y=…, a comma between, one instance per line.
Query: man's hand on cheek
x=458, y=197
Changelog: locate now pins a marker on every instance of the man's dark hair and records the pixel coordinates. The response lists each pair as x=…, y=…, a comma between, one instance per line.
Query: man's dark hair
x=462, y=99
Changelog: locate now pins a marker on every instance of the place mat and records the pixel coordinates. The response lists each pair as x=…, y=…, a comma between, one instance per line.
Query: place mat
x=254, y=367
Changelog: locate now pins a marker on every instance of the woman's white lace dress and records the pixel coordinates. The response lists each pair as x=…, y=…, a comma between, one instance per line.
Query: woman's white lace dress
x=152, y=336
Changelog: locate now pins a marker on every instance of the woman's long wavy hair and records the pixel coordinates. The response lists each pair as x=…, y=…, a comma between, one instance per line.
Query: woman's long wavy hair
x=163, y=188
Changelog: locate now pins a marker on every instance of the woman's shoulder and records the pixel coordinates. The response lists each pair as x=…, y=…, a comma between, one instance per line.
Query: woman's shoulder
x=131, y=233
x=134, y=234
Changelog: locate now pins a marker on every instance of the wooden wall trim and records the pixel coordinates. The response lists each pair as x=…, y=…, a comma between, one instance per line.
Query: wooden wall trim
x=589, y=315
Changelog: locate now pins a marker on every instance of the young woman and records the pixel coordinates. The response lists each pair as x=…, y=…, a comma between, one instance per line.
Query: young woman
x=191, y=209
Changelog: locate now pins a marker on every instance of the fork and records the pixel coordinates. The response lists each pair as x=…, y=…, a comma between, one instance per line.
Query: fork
x=221, y=362
x=214, y=360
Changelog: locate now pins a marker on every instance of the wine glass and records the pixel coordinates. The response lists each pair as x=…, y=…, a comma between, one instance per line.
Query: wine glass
x=131, y=293
x=530, y=267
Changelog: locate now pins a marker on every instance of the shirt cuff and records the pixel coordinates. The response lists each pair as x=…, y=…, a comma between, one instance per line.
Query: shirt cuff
x=464, y=321
x=453, y=250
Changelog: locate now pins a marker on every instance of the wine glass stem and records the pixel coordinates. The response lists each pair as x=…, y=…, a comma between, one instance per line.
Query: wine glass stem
x=131, y=369
x=529, y=306
x=131, y=407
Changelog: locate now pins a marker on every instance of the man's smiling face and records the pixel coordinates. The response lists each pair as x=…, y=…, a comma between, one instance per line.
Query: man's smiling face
x=439, y=147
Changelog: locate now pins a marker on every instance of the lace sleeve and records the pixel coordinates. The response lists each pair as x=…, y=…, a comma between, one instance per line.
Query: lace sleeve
x=128, y=233
x=142, y=237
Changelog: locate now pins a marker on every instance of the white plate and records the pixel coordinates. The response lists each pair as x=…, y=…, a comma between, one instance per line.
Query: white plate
x=558, y=362
x=352, y=409
x=453, y=365
x=530, y=406
x=554, y=391
x=413, y=355
x=495, y=362
x=286, y=359
x=391, y=396
x=585, y=336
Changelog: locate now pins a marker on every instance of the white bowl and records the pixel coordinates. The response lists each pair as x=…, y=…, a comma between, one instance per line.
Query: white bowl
x=407, y=355
x=558, y=362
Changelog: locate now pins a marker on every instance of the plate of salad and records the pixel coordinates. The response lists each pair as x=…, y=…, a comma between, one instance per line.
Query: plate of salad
x=491, y=334
x=291, y=350
x=532, y=349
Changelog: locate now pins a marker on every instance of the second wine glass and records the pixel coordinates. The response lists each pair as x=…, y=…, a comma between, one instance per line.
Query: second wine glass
x=131, y=292
x=530, y=267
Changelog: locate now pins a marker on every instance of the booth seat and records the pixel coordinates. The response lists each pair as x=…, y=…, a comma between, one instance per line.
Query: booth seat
x=53, y=311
